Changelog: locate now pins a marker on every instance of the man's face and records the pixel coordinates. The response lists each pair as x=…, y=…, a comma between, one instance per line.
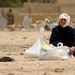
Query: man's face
x=62, y=22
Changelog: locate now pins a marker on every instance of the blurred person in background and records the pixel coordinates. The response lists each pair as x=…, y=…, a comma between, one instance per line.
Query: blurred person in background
x=10, y=17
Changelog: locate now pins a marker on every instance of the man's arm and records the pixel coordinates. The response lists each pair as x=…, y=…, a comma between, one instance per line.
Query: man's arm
x=72, y=49
x=73, y=43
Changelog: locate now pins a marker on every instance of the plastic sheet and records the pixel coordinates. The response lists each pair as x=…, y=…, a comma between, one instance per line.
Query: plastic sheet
x=56, y=53
x=35, y=50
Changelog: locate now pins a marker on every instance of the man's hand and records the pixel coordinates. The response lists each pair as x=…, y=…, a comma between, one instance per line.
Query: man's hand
x=72, y=49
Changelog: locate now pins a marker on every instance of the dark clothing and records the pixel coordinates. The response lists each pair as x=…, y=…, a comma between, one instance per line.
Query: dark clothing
x=64, y=35
x=10, y=18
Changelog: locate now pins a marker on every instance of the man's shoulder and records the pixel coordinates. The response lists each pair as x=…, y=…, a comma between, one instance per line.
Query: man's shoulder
x=56, y=27
x=71, y=29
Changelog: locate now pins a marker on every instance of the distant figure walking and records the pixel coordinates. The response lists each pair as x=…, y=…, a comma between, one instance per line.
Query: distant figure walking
x=10, y=17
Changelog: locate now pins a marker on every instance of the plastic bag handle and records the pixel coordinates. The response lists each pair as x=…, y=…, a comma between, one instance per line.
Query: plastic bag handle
x=41, y=30
x=60, y=45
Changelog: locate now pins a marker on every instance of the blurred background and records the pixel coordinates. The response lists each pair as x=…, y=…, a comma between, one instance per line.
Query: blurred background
x=35, y=10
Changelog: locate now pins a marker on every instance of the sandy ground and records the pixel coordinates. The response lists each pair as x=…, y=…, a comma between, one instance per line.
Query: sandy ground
x=14, y=44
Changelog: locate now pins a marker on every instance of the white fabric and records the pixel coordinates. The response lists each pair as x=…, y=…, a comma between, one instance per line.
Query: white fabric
x=3, y=21
x=65, y=16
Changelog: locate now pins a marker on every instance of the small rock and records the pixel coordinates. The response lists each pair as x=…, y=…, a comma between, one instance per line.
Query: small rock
x=59, y=69
x=6, y=59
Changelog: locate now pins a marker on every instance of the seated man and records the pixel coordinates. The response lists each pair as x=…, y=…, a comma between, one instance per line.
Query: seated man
x=64, y=33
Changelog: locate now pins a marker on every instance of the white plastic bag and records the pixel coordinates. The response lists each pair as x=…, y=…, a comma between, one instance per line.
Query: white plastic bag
x=35, y=50
x=56, y=53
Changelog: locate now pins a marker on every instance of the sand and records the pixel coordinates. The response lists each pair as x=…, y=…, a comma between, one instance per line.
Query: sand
x=14, y=43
